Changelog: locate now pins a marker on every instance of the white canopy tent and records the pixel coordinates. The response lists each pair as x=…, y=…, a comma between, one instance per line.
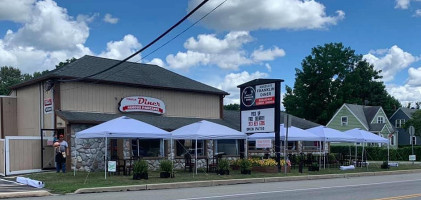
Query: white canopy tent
x=122, y=127
x=205, y=130
x=367, y=137
x=294, y=134
x=330, y=135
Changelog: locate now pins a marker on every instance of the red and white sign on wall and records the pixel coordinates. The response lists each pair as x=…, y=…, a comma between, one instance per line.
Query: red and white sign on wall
x=48, y=105
x=142, y=104
x=265, y=94
x=263, y=143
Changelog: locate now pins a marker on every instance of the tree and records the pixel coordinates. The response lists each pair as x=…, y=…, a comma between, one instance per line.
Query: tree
x=232, y=107
x=414, y=121
x=10, y=76
x=331, y=76
x=68, y=61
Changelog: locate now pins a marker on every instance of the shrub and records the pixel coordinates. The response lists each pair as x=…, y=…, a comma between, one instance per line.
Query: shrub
x=140, y=167
x=166, y=166
x=245, y=164
x=263, y=162
x=223, y=164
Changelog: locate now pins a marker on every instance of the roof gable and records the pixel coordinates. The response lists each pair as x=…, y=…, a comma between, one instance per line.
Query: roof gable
x=129, y=73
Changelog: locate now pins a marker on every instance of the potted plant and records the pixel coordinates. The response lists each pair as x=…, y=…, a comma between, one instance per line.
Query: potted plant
x=385, y=165
x=223, y=167
x=140, y=170
x=166, y=168
x=245, y=166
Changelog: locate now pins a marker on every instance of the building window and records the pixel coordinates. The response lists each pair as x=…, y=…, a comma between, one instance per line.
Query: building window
x=189, y=146
x=380, y=120
x=229, y=147
x=146, y=148
x=344, y=121
x=413, y=140
x=399, y=123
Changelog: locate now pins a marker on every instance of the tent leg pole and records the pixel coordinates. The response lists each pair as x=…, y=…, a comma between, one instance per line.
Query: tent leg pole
x=388, y=155
x=195, y=162
x=356, y=153
x=74, y=169
x=171, y=155
x=106, y=157
x=138, y=148
x=362, y=156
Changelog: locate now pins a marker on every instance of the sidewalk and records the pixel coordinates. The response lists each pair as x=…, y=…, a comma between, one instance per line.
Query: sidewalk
x=11, y=189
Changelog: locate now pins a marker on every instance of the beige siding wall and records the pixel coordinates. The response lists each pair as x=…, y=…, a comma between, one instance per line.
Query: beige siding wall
x=9, y=110
x=48, y=120
x=24, y=154
x=85, y=97
x=28, y=110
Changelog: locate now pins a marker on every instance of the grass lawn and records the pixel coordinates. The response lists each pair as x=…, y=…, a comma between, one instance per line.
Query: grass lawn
x=65, y=183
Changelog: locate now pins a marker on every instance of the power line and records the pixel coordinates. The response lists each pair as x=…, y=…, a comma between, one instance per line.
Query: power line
x=145, y=47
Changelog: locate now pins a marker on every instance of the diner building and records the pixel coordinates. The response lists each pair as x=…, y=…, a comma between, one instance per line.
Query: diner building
x=77, y=96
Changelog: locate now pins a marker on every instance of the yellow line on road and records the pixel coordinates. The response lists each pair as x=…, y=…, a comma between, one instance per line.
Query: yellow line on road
x=409, y=196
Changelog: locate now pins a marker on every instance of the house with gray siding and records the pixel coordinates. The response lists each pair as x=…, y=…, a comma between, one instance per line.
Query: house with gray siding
x=369, y=118
x=398, y=119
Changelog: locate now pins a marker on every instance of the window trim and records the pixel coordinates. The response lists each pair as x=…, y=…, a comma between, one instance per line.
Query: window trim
x=400, y=123
x=378, y=119
x=392, y=140
x=342, y=122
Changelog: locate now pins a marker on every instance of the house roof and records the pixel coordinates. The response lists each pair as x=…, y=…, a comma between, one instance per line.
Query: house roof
x=366, y=114
x=230, y=119
x=166, y=123
x=127, y=73
x=408, y=111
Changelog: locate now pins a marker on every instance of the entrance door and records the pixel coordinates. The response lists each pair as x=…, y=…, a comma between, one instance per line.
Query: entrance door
x=47, y=150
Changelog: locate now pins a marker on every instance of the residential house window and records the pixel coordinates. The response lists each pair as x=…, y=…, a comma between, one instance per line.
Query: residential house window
x=413, y=140
x=380, y=120
x=399, y=123
x=344, y=120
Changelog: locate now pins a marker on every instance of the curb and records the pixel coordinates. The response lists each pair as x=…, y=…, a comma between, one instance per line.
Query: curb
x=40, y=193
x=236, y=181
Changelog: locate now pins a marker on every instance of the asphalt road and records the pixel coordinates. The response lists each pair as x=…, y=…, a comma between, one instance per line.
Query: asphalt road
x=405, y=186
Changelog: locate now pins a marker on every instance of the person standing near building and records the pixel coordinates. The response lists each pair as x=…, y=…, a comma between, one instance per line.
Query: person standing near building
x=62, y=150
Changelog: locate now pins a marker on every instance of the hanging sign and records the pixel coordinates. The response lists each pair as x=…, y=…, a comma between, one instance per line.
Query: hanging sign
x=142, y=104
x=260, y=120
x=48, y=105
x=263, y=143
x=265, y=94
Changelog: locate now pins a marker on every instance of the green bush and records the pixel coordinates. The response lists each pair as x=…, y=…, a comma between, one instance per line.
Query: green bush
x=166, y=166
x=380, y=153
x=223, y=164
x=245, y=164
x=140, y=167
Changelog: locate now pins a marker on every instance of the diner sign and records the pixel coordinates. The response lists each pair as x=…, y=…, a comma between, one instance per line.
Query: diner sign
x=142, y=104
x=263, y=143
x=255, y=121
x=265, y=94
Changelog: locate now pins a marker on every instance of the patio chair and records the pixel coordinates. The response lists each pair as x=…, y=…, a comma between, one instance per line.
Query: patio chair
x=188, y=162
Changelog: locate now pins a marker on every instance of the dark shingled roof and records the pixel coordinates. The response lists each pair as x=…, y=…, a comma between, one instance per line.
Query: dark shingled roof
x=127, y=73
x=231, y=119
x=377, y=127
x=408, y=111
x=370, y=112
x=366, y=115
x=166, y=123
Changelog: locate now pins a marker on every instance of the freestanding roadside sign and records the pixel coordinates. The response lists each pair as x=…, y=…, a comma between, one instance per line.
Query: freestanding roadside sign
x=260, y=105
x=411, y=134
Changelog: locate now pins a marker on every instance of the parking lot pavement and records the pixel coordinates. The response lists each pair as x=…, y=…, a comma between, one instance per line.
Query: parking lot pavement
x=12, y=186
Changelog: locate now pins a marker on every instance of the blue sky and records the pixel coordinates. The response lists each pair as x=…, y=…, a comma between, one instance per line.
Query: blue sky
x=240, y=41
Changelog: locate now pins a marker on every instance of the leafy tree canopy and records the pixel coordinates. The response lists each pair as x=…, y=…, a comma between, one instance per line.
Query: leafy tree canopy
x=10, y=76
x=415, y=121
x=232, y=107
x=331, y=76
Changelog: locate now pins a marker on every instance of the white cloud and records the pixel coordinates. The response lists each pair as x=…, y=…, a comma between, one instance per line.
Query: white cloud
x=405, y=93
x=417, y=13
x=17, y=11
x=232, y=80
x=402, y=4
x=268, y=54
x=157, y=61
x=390, y=62
x=414, y=77
x=266, y=14
x=268, y=67
x=226, y=53
x=122, y=49
x=110, y=19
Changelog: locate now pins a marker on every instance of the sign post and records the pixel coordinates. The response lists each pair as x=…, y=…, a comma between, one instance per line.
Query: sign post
x=261, y=109
x=412, y=133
